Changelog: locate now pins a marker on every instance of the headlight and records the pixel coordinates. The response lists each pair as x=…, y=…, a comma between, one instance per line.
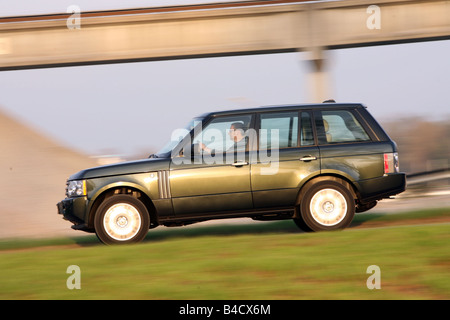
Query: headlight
x=76, y=188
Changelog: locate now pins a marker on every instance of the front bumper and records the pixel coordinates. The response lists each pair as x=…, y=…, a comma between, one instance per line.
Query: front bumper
x=73, y=209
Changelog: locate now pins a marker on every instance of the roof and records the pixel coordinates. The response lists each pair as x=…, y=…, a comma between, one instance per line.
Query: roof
x=331, y=105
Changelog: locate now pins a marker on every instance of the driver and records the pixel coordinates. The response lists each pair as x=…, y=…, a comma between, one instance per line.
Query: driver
x=236, y=134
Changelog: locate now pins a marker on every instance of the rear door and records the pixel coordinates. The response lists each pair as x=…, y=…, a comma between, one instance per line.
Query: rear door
x=287, y=155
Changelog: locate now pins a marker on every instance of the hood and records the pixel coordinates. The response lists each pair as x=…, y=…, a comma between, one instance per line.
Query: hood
x=128, y=167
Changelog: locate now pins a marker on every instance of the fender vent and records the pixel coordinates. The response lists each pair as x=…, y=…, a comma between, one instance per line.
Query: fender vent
x=164, y=185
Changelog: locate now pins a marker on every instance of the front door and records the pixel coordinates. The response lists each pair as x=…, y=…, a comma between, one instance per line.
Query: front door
x=216, y=178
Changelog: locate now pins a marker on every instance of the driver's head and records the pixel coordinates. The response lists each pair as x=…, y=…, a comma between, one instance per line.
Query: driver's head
x=237, y=130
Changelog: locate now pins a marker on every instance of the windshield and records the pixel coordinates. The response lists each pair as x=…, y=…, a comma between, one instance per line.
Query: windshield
x=178, y=135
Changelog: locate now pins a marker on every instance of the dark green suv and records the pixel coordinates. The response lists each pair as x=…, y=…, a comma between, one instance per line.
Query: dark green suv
x=316, y=164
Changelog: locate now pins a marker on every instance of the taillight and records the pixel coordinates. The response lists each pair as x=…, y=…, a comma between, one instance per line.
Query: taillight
x=391, y=163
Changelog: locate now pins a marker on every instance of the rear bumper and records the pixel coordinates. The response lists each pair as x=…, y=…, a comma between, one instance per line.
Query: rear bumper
x=73, y=209
x=382, y=187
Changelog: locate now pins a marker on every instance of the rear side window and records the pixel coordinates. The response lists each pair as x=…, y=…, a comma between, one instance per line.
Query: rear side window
x=339, y=126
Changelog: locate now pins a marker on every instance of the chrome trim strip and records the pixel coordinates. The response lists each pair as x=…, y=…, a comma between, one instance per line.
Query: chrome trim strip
x=164, y=185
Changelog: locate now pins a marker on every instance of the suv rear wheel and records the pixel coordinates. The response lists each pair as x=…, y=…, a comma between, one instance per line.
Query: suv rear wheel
x=326, y=205
x=121, y=219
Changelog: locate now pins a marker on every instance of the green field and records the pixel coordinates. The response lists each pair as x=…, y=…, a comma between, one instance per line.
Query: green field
x=270, y=260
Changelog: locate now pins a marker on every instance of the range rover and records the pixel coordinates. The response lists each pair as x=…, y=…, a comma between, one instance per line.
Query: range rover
x=317, y=164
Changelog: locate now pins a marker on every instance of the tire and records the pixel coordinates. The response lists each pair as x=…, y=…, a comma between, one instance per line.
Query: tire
x=302, y=225
x=326, y=205
x=121, y=219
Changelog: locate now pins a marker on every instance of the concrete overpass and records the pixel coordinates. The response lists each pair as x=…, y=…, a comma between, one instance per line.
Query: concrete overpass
x=247, y=27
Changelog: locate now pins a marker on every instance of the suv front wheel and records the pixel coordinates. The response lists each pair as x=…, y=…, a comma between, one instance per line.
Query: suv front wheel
x=326, y=205
x=121, y=219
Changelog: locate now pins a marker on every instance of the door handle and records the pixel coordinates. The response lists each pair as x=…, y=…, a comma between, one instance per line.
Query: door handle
x=308, y=158
x=240, y=163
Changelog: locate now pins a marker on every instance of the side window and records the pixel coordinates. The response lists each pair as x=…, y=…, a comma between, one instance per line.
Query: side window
x=338, y=126
x=306, y=132
x=278, y=130
x=224, y=134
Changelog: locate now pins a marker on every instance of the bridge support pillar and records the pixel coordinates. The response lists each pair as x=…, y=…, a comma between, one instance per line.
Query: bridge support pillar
x=318, y=76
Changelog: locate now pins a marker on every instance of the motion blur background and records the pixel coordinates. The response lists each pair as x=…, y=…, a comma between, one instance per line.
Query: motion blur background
x=57, y=121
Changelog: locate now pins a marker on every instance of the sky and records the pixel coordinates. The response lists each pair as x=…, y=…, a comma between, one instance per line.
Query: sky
x=32, y=7
x=132, y=108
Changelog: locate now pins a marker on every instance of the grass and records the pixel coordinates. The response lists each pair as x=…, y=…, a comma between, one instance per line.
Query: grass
x=257, y=261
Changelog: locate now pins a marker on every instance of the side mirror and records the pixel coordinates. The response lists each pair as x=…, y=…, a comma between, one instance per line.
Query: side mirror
x=190, y=150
